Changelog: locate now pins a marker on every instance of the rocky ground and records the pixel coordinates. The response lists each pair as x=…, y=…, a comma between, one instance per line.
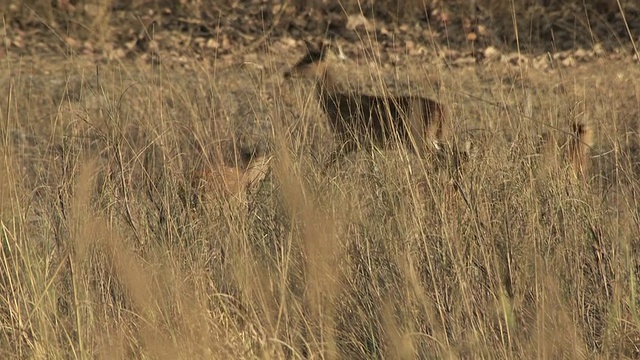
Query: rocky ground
x=459, y=34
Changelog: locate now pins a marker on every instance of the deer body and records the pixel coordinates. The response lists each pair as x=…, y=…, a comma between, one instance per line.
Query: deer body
x=363, y=120
x=571, y=153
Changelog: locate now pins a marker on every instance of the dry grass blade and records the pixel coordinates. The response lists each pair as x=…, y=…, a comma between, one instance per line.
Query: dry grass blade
x=116, y=242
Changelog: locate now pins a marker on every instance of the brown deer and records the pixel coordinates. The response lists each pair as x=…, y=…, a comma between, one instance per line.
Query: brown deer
x=572, y=152
x=578, y=148
x=364, y=120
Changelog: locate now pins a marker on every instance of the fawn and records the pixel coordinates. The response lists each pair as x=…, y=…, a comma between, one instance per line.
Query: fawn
x=364, y=120
x=574, y=151
x=578, y=147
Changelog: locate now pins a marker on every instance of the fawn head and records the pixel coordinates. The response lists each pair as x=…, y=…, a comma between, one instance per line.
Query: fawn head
x=312, y=63
x=583, y=132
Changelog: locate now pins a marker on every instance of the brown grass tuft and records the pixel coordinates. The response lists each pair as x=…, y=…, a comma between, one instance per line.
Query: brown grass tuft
x=103, y=253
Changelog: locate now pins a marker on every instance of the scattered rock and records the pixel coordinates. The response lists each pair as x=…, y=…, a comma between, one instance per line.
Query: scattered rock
x=517, y=59
x=464, y=61
x=358, y=20
x=491, y=53
x=125, y=32
x=540, y=62
x=598, y=50
x=569, y=61
x=581, y=54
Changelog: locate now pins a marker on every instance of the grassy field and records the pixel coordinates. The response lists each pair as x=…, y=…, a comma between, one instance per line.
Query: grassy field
x=164, y=212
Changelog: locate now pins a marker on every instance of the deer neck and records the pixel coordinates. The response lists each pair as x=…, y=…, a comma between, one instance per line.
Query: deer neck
x=326, y=84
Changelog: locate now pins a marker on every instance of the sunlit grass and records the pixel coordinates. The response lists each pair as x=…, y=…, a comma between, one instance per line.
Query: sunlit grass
x=162, y=213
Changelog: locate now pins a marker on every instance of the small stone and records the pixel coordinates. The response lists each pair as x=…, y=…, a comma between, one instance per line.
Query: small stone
x=580, y=53
x=464, y=61
x=354, y=21
x=491, y=53
x=212, y=43
x=569, y=61
x=410, y=45
x=517, y=59
x=541, y=62
x=598, y=49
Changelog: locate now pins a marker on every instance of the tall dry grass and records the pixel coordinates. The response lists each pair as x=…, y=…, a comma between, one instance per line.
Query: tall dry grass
x=108, y=250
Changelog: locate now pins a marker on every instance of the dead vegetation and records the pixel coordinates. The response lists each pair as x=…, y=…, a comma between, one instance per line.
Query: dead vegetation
x=153, y=211
x=125, y=220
